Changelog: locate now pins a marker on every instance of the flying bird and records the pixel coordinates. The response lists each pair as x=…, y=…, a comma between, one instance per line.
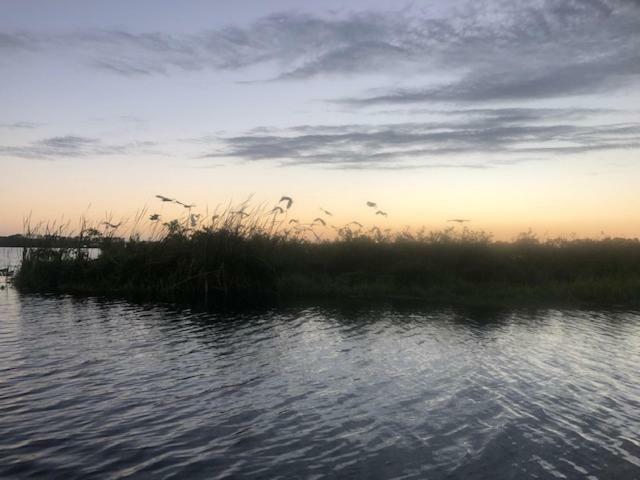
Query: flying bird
x=293, y=220
x=458, y=220
x=164, y=199
x=155, y=217
x=372, y=204
x=111, y=225
x=319, y=220
x=326, y=212
x=380, y=212
x=289, y=201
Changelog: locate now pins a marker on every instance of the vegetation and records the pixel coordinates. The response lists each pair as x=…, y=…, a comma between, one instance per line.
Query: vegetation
x=245, y=254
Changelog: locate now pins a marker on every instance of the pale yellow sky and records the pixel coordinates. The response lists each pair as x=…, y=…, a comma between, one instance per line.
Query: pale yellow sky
x=575, y=195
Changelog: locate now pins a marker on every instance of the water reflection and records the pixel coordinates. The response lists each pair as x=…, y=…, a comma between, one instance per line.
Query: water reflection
x=106, y=388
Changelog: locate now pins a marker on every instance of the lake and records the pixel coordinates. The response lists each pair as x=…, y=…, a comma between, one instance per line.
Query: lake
x=94, y=388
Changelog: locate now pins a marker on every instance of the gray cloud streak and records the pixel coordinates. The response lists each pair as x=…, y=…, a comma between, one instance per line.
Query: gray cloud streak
x=71, y=146
x=493, y=134
x=20, y=125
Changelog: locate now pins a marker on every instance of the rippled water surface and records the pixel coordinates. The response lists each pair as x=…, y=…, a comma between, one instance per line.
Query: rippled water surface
x=107, y=389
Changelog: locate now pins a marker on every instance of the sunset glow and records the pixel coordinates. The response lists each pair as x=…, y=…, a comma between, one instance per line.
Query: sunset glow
x=103, y=107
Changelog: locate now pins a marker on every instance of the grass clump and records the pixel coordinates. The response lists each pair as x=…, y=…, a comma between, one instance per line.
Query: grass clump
x=245, y=254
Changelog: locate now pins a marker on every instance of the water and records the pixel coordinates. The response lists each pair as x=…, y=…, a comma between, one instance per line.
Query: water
x=10, y=257
x=107, y=389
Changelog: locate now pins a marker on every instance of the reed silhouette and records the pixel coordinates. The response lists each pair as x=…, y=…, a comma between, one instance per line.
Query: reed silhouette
x=247, y=253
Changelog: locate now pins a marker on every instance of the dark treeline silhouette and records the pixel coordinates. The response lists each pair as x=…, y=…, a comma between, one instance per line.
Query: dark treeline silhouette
x=233, y=264
x=248, y=254
x=52, y=241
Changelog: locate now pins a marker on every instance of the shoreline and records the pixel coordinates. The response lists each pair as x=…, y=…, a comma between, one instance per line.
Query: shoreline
x=217, y=268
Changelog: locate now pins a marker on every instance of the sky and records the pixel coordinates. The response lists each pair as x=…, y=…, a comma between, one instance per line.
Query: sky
x=514, y=114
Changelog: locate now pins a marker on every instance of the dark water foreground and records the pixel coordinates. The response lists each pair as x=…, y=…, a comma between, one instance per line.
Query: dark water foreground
x=99, y=389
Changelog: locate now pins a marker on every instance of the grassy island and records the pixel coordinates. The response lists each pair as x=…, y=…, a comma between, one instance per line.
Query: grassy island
x=250, y=256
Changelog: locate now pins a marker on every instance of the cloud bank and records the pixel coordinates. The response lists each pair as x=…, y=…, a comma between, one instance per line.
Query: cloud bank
x=471, y=139
x=496, y=50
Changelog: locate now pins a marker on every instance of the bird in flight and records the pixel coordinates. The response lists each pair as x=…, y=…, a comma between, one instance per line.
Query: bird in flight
x=372, y=204
x=276, y=210
x=155, y=217
x=326, y=212
x=111, y=225
x=459, y=220
x=380, y=212
x=164, y=199
x=293, y=220
x=289, y=201
x=319, y=220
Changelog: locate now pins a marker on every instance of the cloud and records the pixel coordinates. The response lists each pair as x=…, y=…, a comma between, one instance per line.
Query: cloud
x=469, y=139
x=16, y=41
x=494, y=50
x=549, y=81
x=71, y=146
x=20, y=125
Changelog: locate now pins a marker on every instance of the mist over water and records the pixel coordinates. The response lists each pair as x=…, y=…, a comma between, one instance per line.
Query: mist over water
x=107, y=389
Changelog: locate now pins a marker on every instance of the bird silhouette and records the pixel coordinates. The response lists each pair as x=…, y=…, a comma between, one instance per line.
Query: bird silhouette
x=319, y=220
x=326, y=212
x=111, y=225
x=164, y=199
x=380, y=212
x=293, y=220
x=458, y=220
x=289, y=201
x=372, y=204
x=155, y=217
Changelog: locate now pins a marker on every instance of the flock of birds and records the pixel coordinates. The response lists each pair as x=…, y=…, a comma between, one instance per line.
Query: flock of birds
x=283, y=205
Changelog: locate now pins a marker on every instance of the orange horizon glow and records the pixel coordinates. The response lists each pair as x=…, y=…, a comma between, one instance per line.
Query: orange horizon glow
x=562, y=200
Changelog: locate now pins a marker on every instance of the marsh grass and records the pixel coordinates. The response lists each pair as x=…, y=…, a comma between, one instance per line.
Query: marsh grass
x=244, y=254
